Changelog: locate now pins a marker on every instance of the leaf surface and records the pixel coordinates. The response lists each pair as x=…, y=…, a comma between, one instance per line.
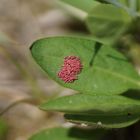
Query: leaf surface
x=94, y=105
x=105, y=71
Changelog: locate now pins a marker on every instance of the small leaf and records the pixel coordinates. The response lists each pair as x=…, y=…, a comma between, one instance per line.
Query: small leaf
x=68, y=134
x=103, y=111
x=94, y=105
x=108, y=22
x=103, y=121
x=105, y=71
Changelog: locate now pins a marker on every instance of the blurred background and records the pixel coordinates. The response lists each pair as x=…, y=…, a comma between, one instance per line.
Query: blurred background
x=23, y=85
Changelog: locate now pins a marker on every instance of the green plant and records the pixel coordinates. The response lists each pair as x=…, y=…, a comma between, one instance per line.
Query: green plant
x=107, y=84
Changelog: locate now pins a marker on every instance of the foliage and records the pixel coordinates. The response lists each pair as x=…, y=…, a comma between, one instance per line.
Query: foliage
x=107, y=77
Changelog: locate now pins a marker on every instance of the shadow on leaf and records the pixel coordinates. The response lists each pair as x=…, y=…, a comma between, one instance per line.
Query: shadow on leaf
x=97, y=48
x=86, y=134
x=133, y=94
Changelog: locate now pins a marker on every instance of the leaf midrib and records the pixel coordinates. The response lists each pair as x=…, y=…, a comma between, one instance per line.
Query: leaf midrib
x=118, y=75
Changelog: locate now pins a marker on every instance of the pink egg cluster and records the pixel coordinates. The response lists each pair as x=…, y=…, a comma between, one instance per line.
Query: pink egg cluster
x=70, y=69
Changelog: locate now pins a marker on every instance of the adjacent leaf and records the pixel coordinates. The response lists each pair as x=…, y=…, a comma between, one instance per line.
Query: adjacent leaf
x=103, y=111
x=107, y=121
x=108, y=22
x=68, y=134
x=94, y=105
x=105, y=71
x=85, y=5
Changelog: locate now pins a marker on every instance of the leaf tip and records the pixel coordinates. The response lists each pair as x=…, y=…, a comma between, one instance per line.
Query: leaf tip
x=31, y=47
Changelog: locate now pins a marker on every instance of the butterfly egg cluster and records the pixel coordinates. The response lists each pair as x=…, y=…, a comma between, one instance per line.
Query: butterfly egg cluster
x=70, y=69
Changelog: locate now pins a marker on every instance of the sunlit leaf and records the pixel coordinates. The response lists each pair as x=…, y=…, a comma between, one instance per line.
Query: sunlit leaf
x=93, y=105
x=105, y=71
x=107, y=111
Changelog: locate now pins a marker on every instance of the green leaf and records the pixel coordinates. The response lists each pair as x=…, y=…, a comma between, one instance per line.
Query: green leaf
x=105, y=71
x=103, y=121
x=94, y=105
x=85, y=5
x=104, y=111
x=108, y=22
x=68, y=134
